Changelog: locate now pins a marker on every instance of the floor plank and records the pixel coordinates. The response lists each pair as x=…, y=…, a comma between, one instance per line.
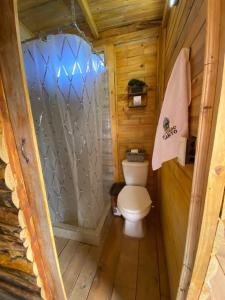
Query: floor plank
x=127, y=268
x=163, y=277
x=74, y=268
x=86, y=277
x=102, y=286
x=88, y=272
x=60, y=244
x=121, y=268
x=67, y=254
x=148, y=286
x=123, y=293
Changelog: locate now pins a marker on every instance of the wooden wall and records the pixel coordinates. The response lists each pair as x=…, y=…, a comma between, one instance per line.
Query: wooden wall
x=132, y=55
x=25, y=33
x=212, y=257
x=23, y=177
x=185, y=28
x=17, y=278
x=136, y=126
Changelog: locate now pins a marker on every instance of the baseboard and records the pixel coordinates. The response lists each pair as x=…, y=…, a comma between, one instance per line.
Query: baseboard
x=89, y=236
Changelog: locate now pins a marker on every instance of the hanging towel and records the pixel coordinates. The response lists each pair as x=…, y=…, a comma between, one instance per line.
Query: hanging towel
x=173, y=121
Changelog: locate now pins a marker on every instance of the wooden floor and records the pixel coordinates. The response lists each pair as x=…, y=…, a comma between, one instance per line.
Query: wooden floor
x=121, y=268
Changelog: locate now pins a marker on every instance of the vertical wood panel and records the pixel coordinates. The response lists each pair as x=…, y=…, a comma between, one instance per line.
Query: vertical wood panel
x=110, y=61
x=186, y=28
x=136, y=126
x=208, y=181
x=211, y=251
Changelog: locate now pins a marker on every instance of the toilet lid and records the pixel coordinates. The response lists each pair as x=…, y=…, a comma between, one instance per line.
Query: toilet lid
x=134, y=199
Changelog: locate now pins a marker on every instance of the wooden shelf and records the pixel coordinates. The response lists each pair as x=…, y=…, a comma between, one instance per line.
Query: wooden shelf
x=137, y=94
x=138, y=106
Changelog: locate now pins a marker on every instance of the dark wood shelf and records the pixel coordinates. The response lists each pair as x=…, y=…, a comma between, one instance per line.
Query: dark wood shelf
x=138, y=106
x=137, y=94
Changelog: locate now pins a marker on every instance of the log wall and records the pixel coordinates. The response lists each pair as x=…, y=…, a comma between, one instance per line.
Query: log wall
x=17, y=274
x=23, y=175
x=186, y=27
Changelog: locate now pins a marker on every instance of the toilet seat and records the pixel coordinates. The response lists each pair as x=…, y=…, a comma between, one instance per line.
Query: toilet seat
x=134, y=199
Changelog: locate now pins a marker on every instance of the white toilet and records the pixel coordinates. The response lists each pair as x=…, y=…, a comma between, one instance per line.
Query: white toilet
x=134, y=200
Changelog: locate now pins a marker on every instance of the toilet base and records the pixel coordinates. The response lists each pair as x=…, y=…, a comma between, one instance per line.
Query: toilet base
x=134, y=229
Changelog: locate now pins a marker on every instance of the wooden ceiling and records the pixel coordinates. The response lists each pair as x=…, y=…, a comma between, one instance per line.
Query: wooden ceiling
x=106, y=15
x=116, y=13
x=49, y=15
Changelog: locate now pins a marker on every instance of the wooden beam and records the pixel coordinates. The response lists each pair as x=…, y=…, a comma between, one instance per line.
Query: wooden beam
x=150, y=33
x=25, y=33
x=136, y=26
x=166, y=14
x=88, y=17
x=111, y=61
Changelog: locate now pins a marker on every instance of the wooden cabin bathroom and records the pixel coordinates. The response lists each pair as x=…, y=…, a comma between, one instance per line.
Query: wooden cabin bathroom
x=112, y=150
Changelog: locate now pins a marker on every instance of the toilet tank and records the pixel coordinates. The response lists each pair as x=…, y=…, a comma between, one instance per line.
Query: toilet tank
x=135, y=173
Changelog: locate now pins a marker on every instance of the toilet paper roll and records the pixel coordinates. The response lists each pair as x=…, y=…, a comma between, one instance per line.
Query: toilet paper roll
x=134, y=150
x=137, y=100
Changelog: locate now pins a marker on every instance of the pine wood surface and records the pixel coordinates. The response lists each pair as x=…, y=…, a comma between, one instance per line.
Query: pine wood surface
x=185, y=28
x=96, y=18
x=208, y=182
x=121, y=268
x=136, y=126
x=111, y=14
x=211, y=257
x=44, y=16
x=28, y=188
x=17, y=277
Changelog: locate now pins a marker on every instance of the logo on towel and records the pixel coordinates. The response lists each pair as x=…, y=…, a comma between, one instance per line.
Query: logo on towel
x=169, y=131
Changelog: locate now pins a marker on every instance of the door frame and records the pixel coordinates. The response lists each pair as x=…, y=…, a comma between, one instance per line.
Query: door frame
x=24, y=157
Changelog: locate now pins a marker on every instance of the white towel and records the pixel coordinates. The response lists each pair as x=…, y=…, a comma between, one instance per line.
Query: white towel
x=173, y=121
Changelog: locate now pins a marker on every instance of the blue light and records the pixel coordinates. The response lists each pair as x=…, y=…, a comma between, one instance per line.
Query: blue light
x=67, y=62
x=65, y=70
x=79, y=68
x=95, y=66
x=74, y=68
x=59, y=71
x=88, y=68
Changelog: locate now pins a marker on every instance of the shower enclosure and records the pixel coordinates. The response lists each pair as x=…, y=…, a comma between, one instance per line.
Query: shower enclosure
x=68, y=90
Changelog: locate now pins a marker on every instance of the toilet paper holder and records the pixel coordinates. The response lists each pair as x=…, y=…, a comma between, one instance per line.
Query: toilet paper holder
x=137, y=93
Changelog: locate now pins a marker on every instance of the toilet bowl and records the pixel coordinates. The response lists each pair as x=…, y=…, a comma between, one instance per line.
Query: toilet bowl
x=134, y=200
x=134, y=203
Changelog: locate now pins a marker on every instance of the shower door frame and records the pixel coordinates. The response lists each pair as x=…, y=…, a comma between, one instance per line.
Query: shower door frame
x=24, y=156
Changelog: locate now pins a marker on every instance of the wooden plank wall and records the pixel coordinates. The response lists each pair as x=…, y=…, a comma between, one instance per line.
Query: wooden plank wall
x=185, y=28
x=136, y=126
x=17, y=277
x=212, y=259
